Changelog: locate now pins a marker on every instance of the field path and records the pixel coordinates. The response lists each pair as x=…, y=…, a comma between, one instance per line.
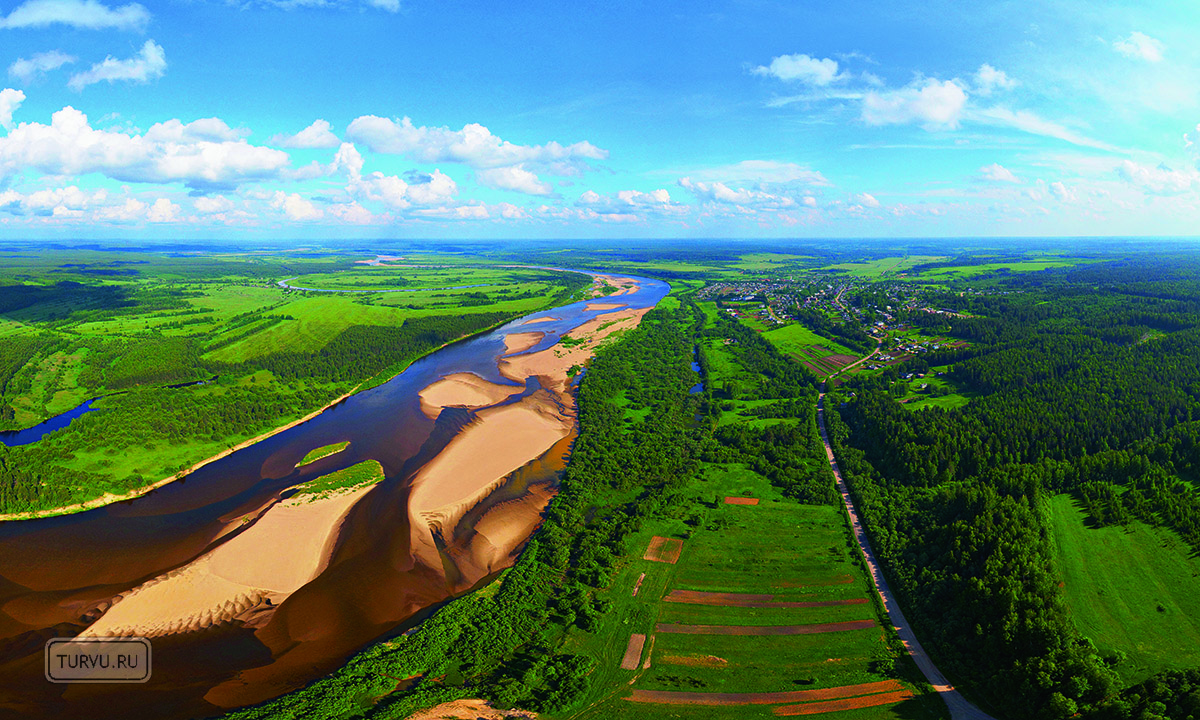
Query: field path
x=960, y=708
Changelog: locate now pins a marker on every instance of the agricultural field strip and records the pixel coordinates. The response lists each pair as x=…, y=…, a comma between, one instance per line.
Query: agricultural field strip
x=698, y=698
x=960, y=707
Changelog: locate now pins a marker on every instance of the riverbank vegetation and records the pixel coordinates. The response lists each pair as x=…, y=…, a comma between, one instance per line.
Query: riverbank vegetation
x=191, y=355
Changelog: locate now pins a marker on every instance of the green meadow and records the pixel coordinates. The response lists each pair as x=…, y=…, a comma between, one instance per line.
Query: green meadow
x=1133, y=589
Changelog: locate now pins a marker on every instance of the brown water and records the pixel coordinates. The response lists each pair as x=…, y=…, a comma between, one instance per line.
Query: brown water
x=57, y=574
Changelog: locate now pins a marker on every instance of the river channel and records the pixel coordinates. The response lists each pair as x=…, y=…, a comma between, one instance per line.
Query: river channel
x=58, y=574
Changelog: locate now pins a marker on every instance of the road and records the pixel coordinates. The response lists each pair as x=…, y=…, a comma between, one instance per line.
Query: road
x=960, y=708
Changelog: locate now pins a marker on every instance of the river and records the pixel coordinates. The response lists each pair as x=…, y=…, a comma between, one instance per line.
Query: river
x=58, y=574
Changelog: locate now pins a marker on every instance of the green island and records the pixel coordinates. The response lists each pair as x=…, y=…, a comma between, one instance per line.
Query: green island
x=322, y=452
x=367, y=472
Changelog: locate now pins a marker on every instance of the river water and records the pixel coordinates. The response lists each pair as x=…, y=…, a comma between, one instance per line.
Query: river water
x=56, y=572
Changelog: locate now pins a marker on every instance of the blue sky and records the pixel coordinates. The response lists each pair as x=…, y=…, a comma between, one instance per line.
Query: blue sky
x=412, y=118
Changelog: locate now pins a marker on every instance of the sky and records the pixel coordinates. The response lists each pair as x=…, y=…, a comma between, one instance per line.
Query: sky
x=244, y=119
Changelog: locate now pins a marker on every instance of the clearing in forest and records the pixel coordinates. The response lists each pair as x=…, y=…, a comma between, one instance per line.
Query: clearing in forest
x=664, y=550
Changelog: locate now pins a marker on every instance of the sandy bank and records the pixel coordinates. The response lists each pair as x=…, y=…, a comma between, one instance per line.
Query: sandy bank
x=624, y=285
x=603, y=306
x=553, y=363
x=287, y=547
x=519, y=342
x=463, y=390
x=540, y=320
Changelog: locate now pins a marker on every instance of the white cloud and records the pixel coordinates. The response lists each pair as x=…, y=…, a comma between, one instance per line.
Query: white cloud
x=722, y=193
x=515, y=178
x=70, y=146
x=988, y=79
x=866, y=200
x=802, y=68
x=434, y=188
x=1029, y=122
x=317, y=135
x=163, y=211
x=997, y=173
x=1062, y=192
x=461, y=212
x=1140, y=46
x=50, y=201
x=295, y=207
x=85, y=14
x=474, y=145
x=629, y=205
x=352, y=213
x=809, y=201
x=933, y=103
x=1160, y=180
x=150, y=62
x=28, y=69
x=205, y=129
x=10, y=100
x=430, y=189
x=129, y=211
x=389, y=5
x=210, y=204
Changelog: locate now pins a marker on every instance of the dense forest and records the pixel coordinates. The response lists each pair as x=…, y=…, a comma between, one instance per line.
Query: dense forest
x=1084, y=387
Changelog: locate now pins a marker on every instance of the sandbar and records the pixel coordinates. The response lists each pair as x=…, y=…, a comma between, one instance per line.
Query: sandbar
x=463, y=390
x=519, y=342
x=540, y=320
x=287, y=547
x=552, y=364
x=603, y=306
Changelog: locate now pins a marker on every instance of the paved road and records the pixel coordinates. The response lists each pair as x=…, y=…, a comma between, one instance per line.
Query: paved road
x=960, y=708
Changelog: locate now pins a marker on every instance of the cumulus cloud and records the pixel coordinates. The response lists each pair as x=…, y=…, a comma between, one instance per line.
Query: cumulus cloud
x=461, y=212
x=474, y=145
x=933, y=103
x=163, y=211
x=28, y=69
x=317, y=135
x=389, y=5
x=415, y=188
x=351, y=213
x=205, y=129
x=629, y=205
x=989, y=79
x=149, y=63
x=866, y=200
x=50, y=202
x=84, y=14
x=70, y=146
x=1161, y=180
x=515, y=178
x=997, y=173
x=295, y=207
x=1140, y=46
x=129, y=211
x=803, y=69
x=1063, y=193
x=721, y=193
x=10, y=100
x=212, y=204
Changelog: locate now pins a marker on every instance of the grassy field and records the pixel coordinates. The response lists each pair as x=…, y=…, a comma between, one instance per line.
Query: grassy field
x=1018, y=266
x=1135, y=589
x=809, y=348
x=882, y=267
x=779, y=547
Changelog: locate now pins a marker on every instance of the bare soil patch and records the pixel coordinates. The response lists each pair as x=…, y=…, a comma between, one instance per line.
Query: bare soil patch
x=633, y=652
x=677, y=629
x=841, y=360
x=845, y=704
x=663, y=549
x=470, y=710
x=708, y=661
x=734, y=500
x=671, y=697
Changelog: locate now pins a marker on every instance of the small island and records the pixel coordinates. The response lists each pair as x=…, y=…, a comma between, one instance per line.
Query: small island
x=367, y=472
x=322, y=452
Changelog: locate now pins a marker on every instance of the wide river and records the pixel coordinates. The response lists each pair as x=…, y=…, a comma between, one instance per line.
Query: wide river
x=55, y=571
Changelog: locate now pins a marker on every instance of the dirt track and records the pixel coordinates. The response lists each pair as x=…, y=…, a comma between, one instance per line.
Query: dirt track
x=960, y=708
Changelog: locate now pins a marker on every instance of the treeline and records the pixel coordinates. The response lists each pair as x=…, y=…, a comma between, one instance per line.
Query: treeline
x=505, y=643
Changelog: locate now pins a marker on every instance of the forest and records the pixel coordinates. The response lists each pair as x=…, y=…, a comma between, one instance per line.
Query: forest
x=1085, y=388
